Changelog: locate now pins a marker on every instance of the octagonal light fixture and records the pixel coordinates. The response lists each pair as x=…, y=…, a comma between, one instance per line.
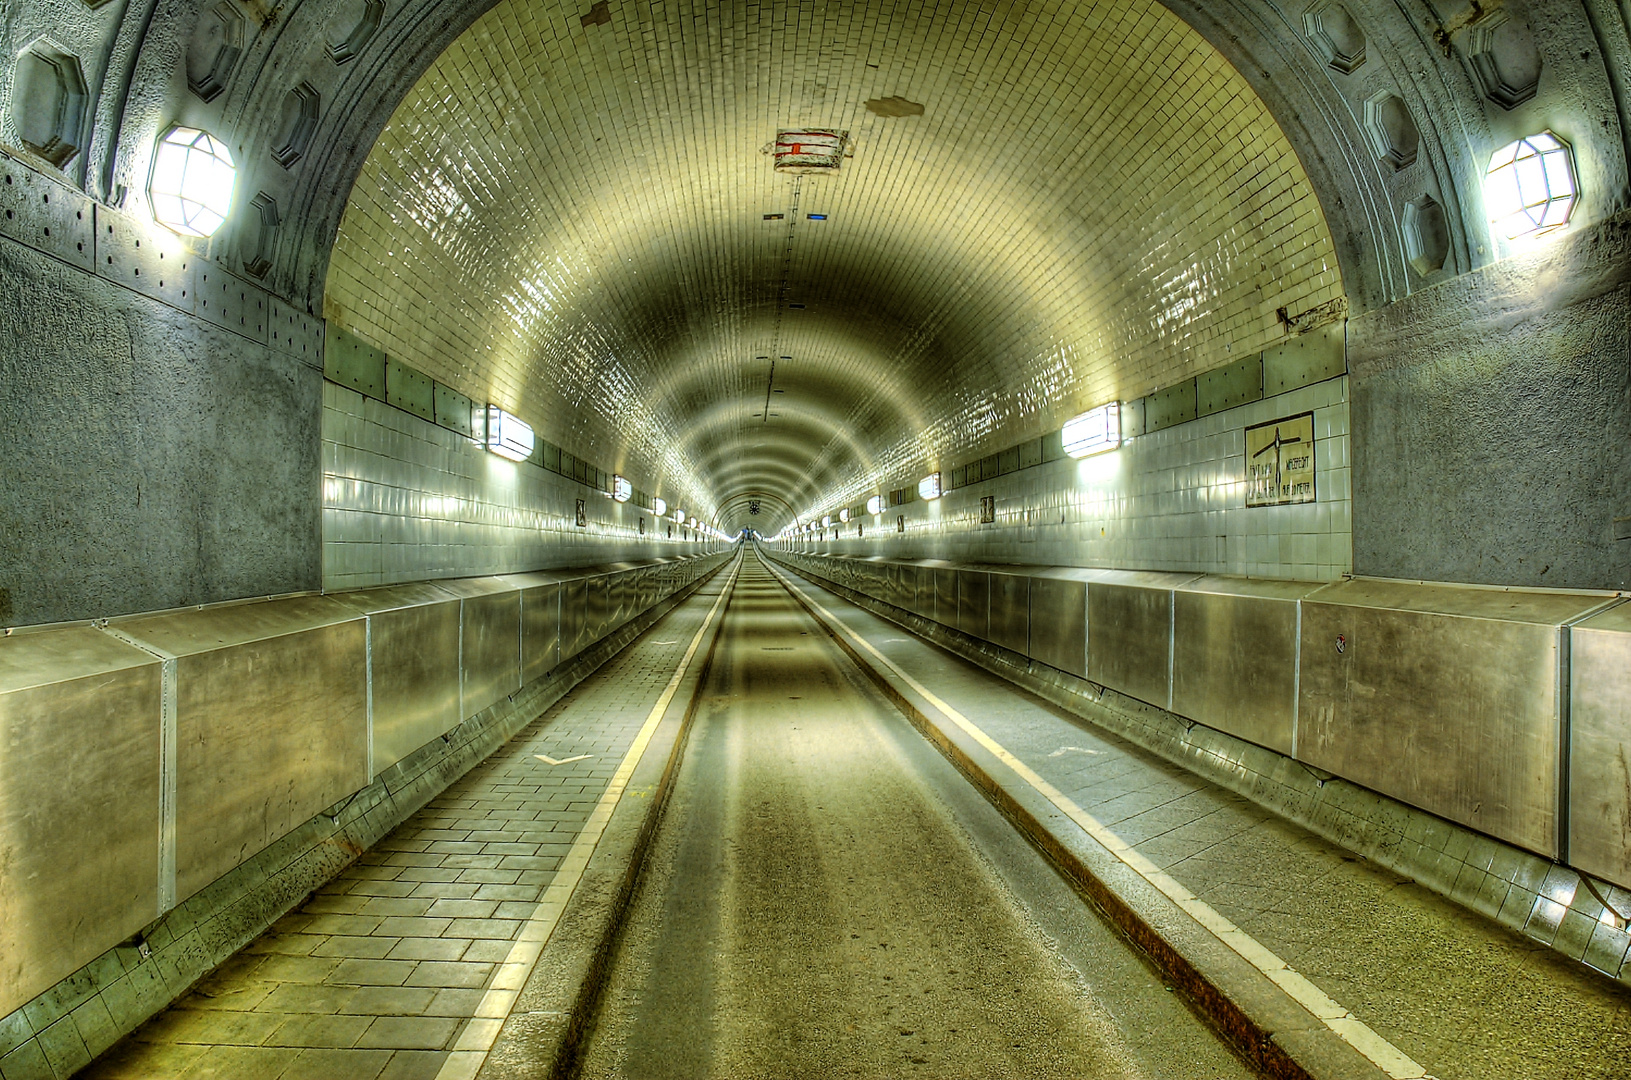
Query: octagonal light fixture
x=659, y=507
x=1530, y=187
x=190, y=188
x=929, y=486
x=508, y=436
x=622, y=490
x=1094, y=432
x=874, y=505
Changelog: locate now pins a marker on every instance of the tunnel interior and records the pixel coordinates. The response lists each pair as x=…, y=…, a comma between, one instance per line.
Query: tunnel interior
x=1261, y=367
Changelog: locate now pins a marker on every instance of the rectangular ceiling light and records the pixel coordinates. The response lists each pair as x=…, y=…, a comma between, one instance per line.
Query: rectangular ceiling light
x=929, y=486
x=622, y=490
x=1094, y=432
x=508, y=436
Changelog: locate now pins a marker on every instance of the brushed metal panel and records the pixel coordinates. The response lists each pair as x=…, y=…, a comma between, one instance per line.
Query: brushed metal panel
x=271, y=722
x=1450, y=706
x=1011, y=611
x=490, y=649
x=1234, y=664
x=574, y=609
x=414, y=645
x=1600, y=746
x=945, y=596
x=596, y=615
x=924, y=591
x=1129, y=632
x=974, y=603
x=1059, y=620
x=79, y=802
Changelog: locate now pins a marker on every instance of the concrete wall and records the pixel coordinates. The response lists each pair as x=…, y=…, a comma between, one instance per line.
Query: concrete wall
x=1170, y=500
x=1492, y=422
x=152, y=459
x=405, y=500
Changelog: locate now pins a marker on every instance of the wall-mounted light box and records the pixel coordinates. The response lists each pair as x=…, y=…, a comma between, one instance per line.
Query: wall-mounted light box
x=679, y=516
x=622, y=490
x=874, y=505
x=826, y=521
x=659, y=507
x=1093, y=432
x=843, y=515
x=929, y=486
x=508, y=436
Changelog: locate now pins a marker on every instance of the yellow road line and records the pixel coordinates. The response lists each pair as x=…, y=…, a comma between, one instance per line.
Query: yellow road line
x=476, y=1042
x=1355, y=1032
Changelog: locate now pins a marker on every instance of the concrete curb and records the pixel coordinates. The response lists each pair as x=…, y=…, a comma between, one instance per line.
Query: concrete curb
x=1275, y=1034
x=552, y=1018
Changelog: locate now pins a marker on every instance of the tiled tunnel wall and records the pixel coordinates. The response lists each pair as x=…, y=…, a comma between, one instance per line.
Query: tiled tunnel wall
x=1173, y=499
x=406, y=500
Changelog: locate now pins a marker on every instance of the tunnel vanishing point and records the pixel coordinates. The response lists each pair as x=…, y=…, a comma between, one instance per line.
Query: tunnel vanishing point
x=659, y=538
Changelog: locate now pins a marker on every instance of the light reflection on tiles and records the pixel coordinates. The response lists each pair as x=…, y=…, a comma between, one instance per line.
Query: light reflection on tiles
x=1172, y=500
x=405, y=500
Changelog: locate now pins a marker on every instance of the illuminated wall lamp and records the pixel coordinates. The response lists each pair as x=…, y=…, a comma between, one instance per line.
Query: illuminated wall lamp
x=826, y=521
x=190, y=189
x=929, y=486
x=679, y=516
x=1093, y=432
x=843, y=515
x=1530, y=187
x=874, y=505
x=622, y=490
x=508, y=436
x=659, y=507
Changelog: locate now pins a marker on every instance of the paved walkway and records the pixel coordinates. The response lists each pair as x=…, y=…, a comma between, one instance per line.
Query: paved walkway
x=1462, y=995
x=379, y=975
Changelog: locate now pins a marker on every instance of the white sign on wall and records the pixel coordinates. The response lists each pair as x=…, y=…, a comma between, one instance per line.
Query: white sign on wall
x=1280, y=462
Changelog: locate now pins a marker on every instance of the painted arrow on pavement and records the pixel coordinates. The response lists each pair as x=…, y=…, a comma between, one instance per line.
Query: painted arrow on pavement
x=547, y=760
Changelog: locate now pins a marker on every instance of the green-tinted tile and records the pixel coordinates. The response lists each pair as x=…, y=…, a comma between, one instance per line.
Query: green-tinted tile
x=26, y=1062
x=96, y=1027
x=14, y=1031
x=1606, y=950
x=63, y=1047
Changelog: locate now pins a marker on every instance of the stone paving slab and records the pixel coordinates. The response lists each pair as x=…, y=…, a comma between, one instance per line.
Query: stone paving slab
x=380, y=972
x=1464, y=996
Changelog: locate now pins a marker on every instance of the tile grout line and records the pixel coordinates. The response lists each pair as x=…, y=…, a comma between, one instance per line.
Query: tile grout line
x=470, y=1052
x=1353, y=1031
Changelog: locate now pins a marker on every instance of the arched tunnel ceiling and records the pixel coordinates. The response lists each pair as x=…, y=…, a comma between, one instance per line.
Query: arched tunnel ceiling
x=568, y=218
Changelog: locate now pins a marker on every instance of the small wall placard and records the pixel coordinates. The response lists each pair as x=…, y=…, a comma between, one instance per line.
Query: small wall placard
x=1280, y=461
